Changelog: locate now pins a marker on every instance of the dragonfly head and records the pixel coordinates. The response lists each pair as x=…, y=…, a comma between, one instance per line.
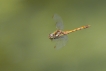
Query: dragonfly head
x=51, y=36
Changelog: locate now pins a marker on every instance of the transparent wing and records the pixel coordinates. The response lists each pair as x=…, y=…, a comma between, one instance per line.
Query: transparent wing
x=59, y=22
x=60, y=42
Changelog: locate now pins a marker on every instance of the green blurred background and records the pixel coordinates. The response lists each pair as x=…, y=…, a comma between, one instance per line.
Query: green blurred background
x=26, y=24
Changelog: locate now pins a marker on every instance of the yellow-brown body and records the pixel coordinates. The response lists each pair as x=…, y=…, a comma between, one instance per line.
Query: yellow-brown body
x=60, y=33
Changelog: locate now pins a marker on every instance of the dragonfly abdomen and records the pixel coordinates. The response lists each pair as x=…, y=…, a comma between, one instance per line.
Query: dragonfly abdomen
x=77, y=29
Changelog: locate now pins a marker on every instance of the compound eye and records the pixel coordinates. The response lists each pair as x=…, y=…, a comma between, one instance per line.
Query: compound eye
x=51, y=35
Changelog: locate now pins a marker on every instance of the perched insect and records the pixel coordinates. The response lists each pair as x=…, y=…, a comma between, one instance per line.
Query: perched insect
x=61, y=36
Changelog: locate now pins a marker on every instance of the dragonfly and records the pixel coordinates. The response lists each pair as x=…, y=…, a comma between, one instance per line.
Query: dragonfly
x=60, y=36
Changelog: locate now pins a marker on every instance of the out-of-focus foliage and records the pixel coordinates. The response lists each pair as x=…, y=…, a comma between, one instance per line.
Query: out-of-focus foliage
x=26, y=24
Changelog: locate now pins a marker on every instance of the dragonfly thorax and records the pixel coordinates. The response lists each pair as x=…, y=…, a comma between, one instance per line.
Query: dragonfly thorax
x=56, y=34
